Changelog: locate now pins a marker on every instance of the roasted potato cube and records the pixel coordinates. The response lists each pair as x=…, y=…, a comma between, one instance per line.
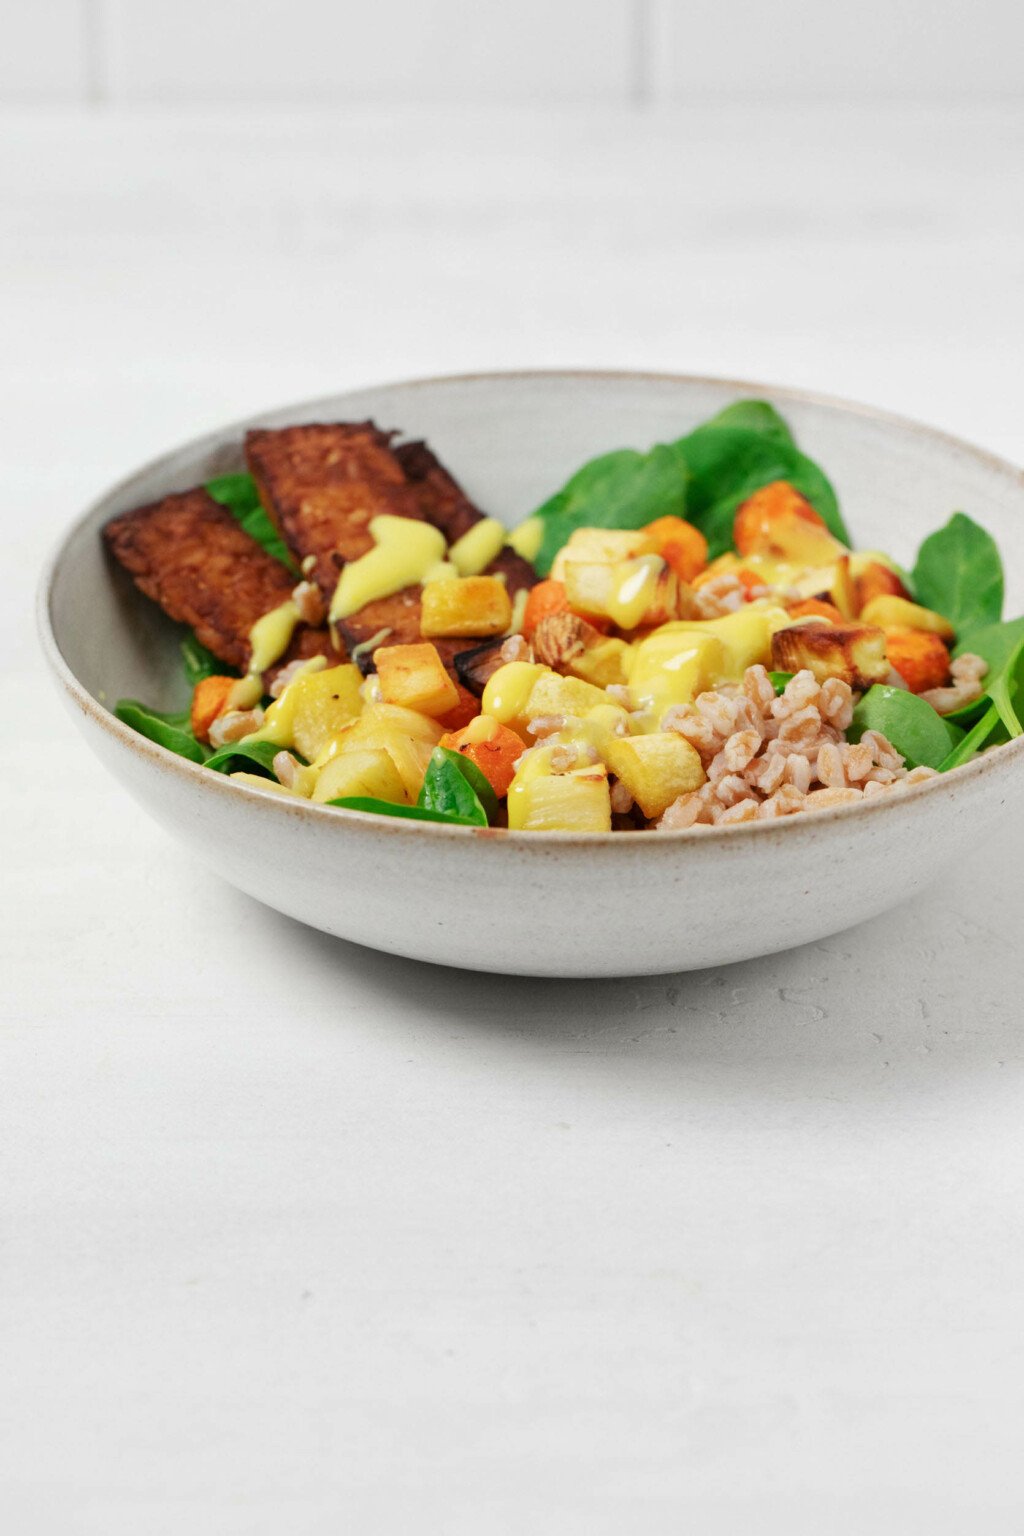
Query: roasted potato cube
x=656, y=769
x=852, y=652
x=632, y=593
x=469, y=605
x=566, y=802
x=314, y=708
x=921, y=658
x=414, y=676
x=361, y=771
x=598, y=546
x=555, y=695
x=899, y=613
x=778, y=521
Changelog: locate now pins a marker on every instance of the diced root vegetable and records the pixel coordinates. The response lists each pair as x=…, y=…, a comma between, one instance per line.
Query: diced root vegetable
x=461, y=713
x=876, y=580
x=565, y=802
x=414, y=677
x=209, y=699
x=362, y=771
x=470, y=605
x=777, y=520
x=656, y=769
x=492, y=747
x=921, y=658
x=852, y=652
x=899, y=613
x=545, y=599
x=682, y=546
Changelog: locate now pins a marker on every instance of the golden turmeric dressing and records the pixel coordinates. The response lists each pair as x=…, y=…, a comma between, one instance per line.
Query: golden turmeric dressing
x=473, y=553
x=404, y=551
x=271, y=636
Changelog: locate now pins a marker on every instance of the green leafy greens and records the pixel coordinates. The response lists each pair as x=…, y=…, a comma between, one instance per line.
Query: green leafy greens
x=703, y=476
x=923, y=737
x=454, y=791
x=199, y=663
x=239, y=494
x=171, y=730
x=247, y=757
x=960, y=575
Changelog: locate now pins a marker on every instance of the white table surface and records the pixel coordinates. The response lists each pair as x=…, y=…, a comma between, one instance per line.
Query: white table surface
x=299, y=1238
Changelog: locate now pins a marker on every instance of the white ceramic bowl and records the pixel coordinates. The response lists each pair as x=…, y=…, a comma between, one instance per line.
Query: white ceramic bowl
x=554, y=904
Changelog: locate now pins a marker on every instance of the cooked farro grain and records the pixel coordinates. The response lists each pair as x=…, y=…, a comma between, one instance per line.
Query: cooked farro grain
x=768, y=756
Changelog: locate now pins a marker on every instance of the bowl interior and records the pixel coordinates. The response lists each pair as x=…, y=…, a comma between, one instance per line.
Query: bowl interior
x=512, y=439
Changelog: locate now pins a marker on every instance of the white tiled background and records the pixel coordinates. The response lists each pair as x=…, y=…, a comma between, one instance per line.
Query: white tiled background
x=445, y=52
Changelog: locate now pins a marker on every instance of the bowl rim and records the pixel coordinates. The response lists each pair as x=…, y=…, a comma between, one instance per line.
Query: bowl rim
x=294, y=806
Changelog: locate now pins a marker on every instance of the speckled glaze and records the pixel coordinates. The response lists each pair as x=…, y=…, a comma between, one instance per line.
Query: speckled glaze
x=553, y=904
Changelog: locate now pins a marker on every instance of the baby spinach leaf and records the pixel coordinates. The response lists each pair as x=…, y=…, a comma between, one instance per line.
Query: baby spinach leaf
x=703, y=476
x=247, y=757
x=994, y=643
x=239, y=494
x=754, y=416
x=199, y=663
x=727, y=465
x=1000, y=646
x=986, y=732
x=170, y=730
x=455, y=787
x=623, y=489
x=959, y=574
x=915, y=729
x=779, y=680
x=408, y=812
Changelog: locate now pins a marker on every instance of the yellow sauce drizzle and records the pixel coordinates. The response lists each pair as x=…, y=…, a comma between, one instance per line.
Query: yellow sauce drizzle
x=271, y=636
x=527, y=539
x=473, y=553
x=404, y=550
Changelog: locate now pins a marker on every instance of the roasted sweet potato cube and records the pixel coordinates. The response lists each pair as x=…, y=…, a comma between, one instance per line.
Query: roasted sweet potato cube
x=777, y=520
x=414, y=676
x=682, y=546
x=876, y=580
x=468, y=605
x=209, y=699
x=921, y=658
x=492, y=747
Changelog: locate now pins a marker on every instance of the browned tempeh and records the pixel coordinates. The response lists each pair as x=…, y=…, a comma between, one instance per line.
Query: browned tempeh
x=446, y=505
x=322, y=484
x=400, y=617
x=443, y=501
x=519, y=574
x=189, y=554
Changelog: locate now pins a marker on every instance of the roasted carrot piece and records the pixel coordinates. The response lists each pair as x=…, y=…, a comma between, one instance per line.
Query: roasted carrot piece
x=680, y=545
x=546, y=598
x=492, y=747
x=877, y=581
x=817, y=606
x=921, y=659
x=777, y=520
x=208, y=700
x=461, y=713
